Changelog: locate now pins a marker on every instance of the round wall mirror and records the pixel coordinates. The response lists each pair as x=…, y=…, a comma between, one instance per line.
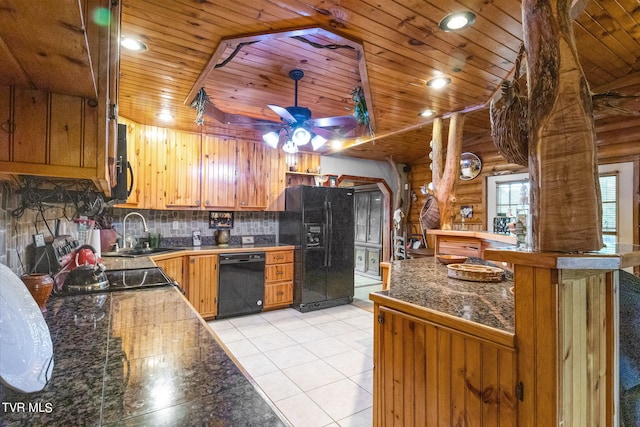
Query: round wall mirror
x=470, y=166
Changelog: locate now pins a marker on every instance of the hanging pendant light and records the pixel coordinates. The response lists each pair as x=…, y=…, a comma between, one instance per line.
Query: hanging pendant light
x=301, y=136
x=317, y=142
x=271, y=139
x=290, y=147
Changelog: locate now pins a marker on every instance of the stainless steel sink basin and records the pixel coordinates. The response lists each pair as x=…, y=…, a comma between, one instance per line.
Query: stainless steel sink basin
x=134, y=253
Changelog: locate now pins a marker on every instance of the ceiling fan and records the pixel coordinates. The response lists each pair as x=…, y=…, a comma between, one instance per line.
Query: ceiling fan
x=301, y=129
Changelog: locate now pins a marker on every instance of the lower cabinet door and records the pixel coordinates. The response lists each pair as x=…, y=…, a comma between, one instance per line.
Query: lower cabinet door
x=203, y=284
x=278, y=294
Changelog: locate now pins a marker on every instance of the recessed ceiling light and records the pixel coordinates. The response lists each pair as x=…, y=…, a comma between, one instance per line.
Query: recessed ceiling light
x=133, y=44
x=439, y=82
x=165, y=116
x=427, y=113
x=457, y=21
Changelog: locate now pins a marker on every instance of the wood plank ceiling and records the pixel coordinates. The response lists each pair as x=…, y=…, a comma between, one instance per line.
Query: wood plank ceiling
x=400, y=48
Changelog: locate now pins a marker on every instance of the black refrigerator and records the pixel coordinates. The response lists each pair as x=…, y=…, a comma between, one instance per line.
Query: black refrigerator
x=319, y=222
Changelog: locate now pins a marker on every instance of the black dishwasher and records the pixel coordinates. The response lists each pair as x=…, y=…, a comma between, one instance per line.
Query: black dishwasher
x=240, y=283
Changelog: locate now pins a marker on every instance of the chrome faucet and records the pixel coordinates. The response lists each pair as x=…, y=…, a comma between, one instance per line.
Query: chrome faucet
x=124, y=227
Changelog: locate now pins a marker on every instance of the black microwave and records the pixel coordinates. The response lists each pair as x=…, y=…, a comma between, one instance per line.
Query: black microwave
x=124, y=172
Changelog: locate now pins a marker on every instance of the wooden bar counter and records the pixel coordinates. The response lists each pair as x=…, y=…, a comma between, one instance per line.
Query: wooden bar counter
x=469, y=243
x=444, y=349
x=448, y=352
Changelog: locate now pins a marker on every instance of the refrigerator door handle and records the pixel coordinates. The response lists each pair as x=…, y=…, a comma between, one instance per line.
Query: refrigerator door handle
x=325, y=236
x=330, y=244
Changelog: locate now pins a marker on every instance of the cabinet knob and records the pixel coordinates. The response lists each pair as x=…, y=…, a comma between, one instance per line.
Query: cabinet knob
x=207, y=202
x=197, y=202
x=279, y=272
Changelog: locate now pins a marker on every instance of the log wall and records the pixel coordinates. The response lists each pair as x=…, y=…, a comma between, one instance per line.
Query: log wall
x=618, y=139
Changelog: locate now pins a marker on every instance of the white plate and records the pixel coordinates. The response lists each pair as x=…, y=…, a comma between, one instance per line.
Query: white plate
x=26, y=351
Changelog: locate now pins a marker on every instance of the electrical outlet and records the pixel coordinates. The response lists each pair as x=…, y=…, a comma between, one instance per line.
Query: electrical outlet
x=38, y=240
x=247, y=240
x=176, y=225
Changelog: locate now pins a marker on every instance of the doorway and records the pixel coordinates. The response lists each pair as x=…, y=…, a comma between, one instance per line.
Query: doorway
x=369, y=208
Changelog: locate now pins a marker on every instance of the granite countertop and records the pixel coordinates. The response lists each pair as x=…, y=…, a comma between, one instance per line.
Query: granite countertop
x=124, y=262
x=138, y=358
x=424, y=283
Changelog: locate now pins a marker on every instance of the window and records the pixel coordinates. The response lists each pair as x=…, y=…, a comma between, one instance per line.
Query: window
x=513, y=197
x=609, y=190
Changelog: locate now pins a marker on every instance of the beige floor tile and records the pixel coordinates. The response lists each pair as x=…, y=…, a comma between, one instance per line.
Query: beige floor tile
x=350, y=363
x=342, y=398
x=277, y=386
x=287, y=357
x=257, y=364
x=242, y=348
x=301, y=411
x=273, y=341
x=313, y=375
x=327, y=347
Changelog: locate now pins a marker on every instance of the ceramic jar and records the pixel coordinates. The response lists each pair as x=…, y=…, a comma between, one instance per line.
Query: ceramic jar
x=40, y=286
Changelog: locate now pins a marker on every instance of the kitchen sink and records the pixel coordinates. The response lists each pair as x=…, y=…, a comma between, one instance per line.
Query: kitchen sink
x=134, y=253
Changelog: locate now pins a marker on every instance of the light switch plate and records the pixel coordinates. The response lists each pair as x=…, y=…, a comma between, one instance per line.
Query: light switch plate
x=247, y=240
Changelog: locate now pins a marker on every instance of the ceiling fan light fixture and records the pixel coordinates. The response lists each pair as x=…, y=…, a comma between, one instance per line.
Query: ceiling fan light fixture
x=317, y=142
x=438, y=82
x=300, y=136
x=290, y=147
x=132, y=44
x=271, y=139
x=457, y=21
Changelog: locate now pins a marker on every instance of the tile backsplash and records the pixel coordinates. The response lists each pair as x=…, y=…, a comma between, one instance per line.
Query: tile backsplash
x=174, y=226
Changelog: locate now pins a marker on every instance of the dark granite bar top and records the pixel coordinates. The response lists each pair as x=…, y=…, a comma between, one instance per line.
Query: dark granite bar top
x=424, y=282
x=137, y=358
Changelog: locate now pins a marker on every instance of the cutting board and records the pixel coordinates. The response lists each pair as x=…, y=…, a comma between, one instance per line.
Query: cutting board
x=474, y=272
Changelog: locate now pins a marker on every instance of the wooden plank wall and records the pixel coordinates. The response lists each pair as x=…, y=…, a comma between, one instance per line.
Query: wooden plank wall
x=435, y=376
x=618, y=140
x=583, y=348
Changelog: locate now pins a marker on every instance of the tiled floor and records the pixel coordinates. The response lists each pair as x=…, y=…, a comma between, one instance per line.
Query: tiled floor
x=316, y=367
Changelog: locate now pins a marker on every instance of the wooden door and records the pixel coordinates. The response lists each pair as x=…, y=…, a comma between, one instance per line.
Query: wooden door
x=253, y=176
x=203, y=284
x=429, y=375
x=183, y=177
x=219, y=172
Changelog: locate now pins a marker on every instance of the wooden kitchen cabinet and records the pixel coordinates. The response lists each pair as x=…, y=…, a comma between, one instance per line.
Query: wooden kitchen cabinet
x=202, y=287
x=278, y=279
x=427, y=374
x=174, y=268
x=68, y=133
x=253, y=175
x=236, y=174
x=219, y=172
x=183, y=181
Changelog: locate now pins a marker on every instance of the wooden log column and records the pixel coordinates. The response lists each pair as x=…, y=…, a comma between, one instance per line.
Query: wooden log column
x=565, y=192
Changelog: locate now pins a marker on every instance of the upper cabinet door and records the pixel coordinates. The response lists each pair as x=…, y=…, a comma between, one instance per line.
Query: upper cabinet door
x=182, y=186
x=219, y=175
x=253, y=176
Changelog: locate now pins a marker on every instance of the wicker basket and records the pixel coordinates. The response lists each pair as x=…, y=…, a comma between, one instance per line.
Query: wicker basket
x=509, y=127
x=430, y=214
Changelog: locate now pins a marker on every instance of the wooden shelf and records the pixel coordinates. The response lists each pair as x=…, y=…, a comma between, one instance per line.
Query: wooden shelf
x=305, y=173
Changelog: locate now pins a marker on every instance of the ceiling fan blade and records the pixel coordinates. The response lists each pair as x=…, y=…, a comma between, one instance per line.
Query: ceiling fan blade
x=283, y=113
x=239, y=120
x=338, y=121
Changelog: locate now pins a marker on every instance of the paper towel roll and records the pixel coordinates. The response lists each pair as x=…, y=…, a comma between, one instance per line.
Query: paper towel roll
x=95, y=241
